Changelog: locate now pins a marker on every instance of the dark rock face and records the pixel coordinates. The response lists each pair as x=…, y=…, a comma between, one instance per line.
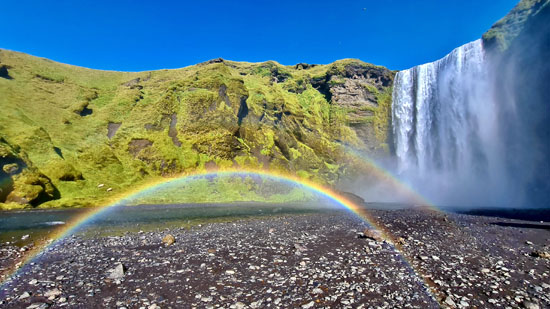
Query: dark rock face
x=86, y=111
x=4, y=72
x=503, y=33
x=278, y=76
x=58, y=151
x=10, y=165
x=212, y=61
x=349, y=86
x=523, y=70
x=304, y=66
x=69, y=173
x=20, y=182
x=355, y=88
x=243, y=110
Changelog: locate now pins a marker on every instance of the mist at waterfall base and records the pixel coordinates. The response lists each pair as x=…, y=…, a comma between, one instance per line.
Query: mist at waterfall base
x=461, y=138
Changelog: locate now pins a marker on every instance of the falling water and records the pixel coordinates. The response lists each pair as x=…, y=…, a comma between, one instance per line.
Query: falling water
x=447, y=136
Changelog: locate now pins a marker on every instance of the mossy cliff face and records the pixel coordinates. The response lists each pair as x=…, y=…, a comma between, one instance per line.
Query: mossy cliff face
x=20, y=182
x=79, y=132
x=504, y=32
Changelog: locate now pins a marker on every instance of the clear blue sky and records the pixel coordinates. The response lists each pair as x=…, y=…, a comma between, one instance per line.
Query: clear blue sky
x=147, y=35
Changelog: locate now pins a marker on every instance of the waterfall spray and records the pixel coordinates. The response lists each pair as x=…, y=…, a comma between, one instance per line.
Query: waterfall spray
x=447, y=133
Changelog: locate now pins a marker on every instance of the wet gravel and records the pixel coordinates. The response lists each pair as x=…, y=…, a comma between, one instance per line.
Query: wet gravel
x=299, y=261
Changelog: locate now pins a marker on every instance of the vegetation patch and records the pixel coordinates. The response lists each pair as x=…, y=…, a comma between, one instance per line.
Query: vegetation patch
x=78, y=132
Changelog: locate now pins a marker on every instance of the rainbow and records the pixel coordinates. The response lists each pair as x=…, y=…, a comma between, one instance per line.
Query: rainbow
x=388, y=177
x=123, y=199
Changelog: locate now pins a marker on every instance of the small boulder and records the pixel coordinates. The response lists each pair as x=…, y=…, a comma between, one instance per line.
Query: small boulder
x=450, y=302
x=375, y=235
x=530, y=305
x=54, y=293
x=541, y=254
x=168, y=240
x=117, y=272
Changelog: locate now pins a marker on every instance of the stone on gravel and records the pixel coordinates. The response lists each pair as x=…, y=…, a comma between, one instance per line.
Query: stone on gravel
x=530, y=305
x=317, y=291
x=371, y=234
x=238, y=305
x=541, y=254
x=117, y=272
x=309, y=261
x=449, y=301
x=168, y=240
x=54, y=293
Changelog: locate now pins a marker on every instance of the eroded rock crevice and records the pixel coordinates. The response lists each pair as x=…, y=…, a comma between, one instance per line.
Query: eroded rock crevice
x=243, y=110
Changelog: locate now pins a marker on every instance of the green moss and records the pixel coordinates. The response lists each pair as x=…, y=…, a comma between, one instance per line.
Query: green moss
x=304, y=174
x=336, y=82
x=14, y=206
x=227, y=189
x=190, y=116
x=382, y=118
x=295, y=153
x=504, y=31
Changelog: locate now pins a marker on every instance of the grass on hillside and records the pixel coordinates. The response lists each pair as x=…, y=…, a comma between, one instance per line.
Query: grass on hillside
x=173, y=122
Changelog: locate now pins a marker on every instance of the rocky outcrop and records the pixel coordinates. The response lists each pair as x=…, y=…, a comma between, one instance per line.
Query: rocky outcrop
x=351, y=84
x=4, y=72
x=519, y=48
x=120, y=129
x=20, y=182
x=362, y=92
x=504, y=32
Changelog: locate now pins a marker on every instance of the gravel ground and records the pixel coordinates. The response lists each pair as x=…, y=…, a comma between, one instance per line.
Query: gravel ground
x=299, y=261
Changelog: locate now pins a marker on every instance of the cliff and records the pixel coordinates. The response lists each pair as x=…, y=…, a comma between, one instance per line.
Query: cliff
x=519, y=48
x=67, y=134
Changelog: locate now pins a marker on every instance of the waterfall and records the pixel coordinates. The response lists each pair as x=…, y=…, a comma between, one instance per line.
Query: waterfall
x=446, y=131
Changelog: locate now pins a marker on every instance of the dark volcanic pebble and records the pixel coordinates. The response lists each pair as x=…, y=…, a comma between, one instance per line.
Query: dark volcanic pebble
x=302, y=261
